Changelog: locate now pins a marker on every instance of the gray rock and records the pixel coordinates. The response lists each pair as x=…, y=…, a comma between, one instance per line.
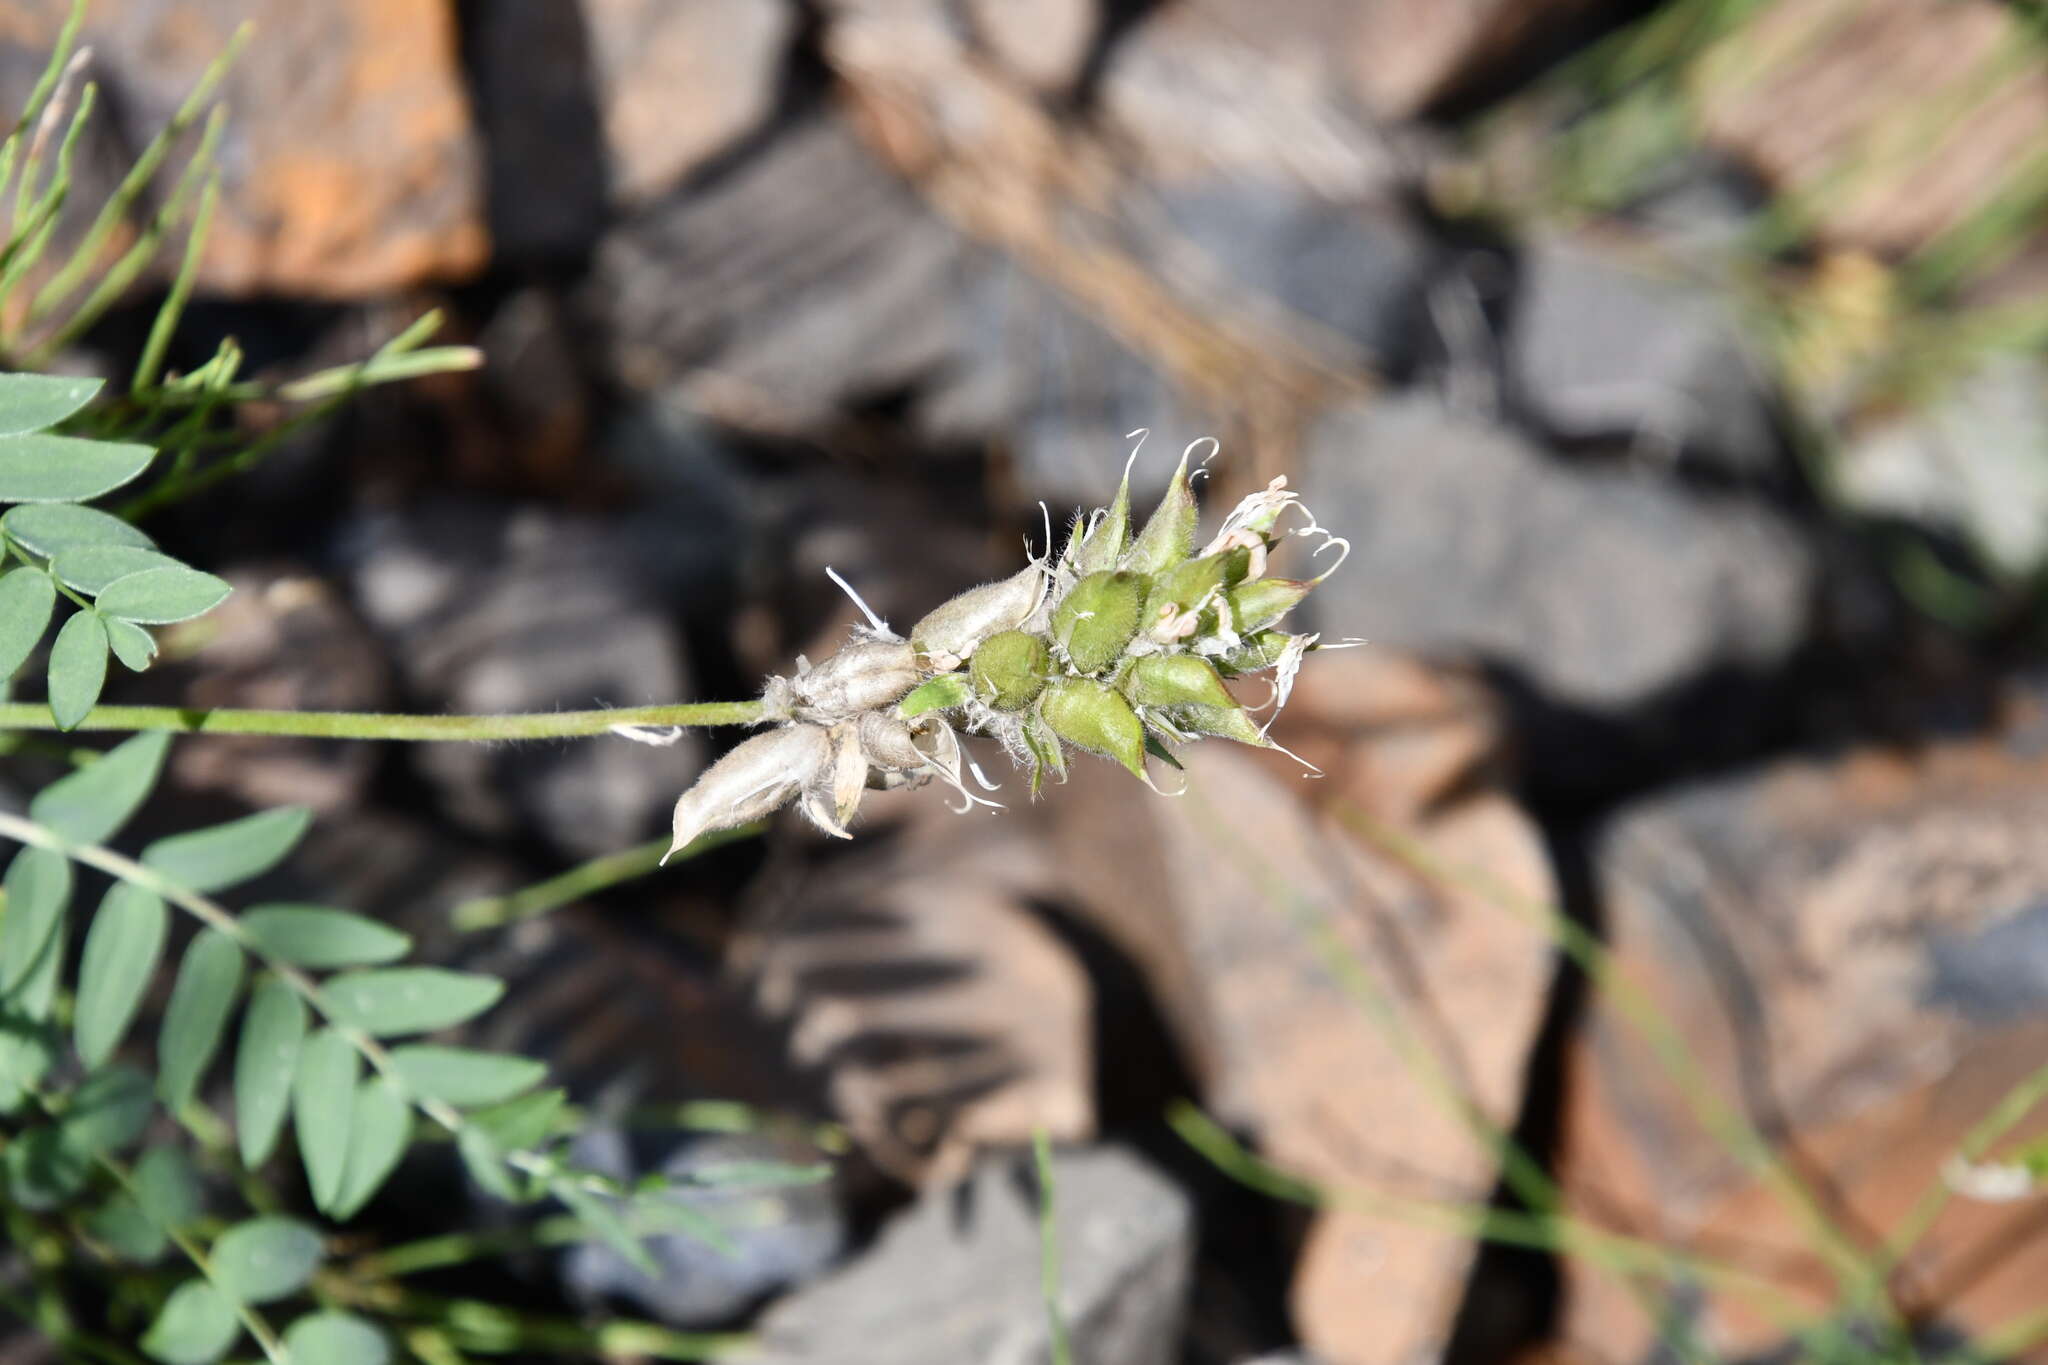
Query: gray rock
x=956, y=1278
x=805, y=281
x=493, y=609
x=1969, y=464
x=1602, y=348
x=1603, y=585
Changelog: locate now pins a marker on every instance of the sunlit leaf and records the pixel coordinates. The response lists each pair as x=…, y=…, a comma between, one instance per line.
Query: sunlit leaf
x=209, y=979
x=265, y=1258
x=89, y=568
x=31, y=402
x=323, y=1097
x=400, y=1000
x=50, y=527
x=27, y=598
x=196, y=1326
x=321, y=939
x=335, y=1339
x=380, y=1126
x=78, y=668
x=122, y=948
x=160, y=596
x=132, y=645
x=44, y=468
x=464, y=1077
x=225, y=855
x=90, y=805
x=273, y=1030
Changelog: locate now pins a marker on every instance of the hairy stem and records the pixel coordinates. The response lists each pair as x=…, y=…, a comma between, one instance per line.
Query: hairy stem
x=374, y=725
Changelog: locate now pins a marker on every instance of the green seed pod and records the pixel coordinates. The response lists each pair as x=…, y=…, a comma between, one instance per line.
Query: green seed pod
x=1259, y=650
x=1009, y=670
x=942, y=693
x=950, y=634
x=1227, y=722
x=1187, y=586
x=1098, y=617
x=1257, y=605
x=1175, y=680
x=1111, y=536
x=1169, y=536
x=1091, y=716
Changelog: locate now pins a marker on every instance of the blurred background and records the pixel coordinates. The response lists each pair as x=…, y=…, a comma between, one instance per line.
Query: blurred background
x=1676, y=372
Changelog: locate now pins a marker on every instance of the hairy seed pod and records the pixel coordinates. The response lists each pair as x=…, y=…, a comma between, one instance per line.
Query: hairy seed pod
x=1098, y=617
x=1175, y=680
x=860, y=677
x=950, y=634
x=756, y=779
x=1226, y=722
x=1087, y=714
x=1010, y=669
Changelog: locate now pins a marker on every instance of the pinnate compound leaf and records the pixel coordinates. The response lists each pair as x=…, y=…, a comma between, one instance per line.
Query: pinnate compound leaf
x=159, y=596
x=132, y=645
x=401, y=1000
x=461, y=1076
x=323, y=1098
x=265, y=1258
x=321, y=939
x=121, y=952
x=380, y=1127
x=196, y=1326
x=31, y=402
x=27, y=598
x=50, y=527
x=89, y=568
x=224, y=855
x=335, y=1339
x=90, y=805
x=209, y=980
x=273, y=1030
x=42, y=468
x=78, y=668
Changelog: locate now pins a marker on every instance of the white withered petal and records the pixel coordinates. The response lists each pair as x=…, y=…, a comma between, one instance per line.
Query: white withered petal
x=756, y=779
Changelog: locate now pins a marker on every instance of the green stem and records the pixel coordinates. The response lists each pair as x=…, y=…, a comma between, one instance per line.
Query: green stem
x=605, y=870
x=374, y=725
x=1049, y=1249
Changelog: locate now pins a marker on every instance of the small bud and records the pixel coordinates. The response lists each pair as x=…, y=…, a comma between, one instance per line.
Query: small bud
x=955, y=628
x=1175, y=680
x=942, y=693
x=1257, y=605
x=860, y=677
x=1009, y=670
x=1098, y=617
x=1170, y=534
x=757, y=778
x=1087, y=714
